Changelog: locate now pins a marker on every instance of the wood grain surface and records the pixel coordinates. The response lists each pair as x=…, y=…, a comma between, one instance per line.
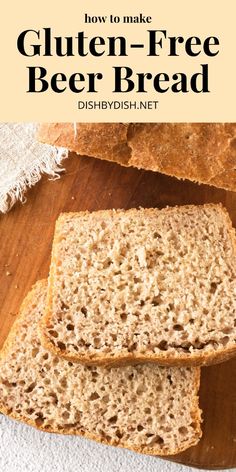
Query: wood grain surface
x=89, y=184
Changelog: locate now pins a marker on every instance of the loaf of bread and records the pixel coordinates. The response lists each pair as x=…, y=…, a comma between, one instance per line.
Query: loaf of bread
x=143, y=285
x=201, y=152
x=149, y=409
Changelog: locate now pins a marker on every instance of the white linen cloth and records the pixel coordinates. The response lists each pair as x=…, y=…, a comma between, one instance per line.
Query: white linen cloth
x=23, y=160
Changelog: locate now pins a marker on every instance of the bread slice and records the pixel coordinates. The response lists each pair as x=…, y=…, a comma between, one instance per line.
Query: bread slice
x=143, y=285
x=201, y=152
x=149, y=409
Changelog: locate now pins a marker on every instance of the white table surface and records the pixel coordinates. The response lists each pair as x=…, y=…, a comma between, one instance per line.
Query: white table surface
x=24, y=449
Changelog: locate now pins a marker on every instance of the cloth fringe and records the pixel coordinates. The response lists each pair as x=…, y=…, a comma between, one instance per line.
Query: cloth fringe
x=27, y=179
x=49, y=163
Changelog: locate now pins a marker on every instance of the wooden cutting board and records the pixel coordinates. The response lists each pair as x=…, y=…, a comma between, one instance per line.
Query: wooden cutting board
x=89, y=184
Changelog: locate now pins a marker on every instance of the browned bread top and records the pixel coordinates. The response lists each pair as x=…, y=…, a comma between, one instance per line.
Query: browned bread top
x=106, y=141
x=202, y=152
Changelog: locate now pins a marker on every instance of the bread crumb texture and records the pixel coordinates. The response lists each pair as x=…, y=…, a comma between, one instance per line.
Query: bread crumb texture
x=146, y=408
x=143, y=284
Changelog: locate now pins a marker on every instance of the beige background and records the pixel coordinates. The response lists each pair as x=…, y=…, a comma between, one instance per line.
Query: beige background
x=186, y=18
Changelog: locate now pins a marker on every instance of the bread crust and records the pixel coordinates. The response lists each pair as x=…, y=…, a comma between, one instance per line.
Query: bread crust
x=106, y=142
x=178, y=360
x=144, y=450
x=9, y=344
x=201, y=152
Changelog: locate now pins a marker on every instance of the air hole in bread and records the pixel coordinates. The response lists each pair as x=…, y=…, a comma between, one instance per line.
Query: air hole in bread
x=213, y=288
x=149, y=420
x=178, y=327
x=31, y=387
x=54, y=398
x=47, y=381
x=193, y=425
x=170, y=379
x=105, y=398
x=70, y=327
x=97, y=342
x=170, y=307
x=140, y=389
x=168, y=429
x=63, y=382
x=107, y=263
x=61, y=346
x=137, y=280
x=94, y=396
x=53, y=333
x=160, y=440
x=225, y=340
x=163, y=345
x=113, y=419
x=64, y=306
x=132, y=347
x=122, y=286
x=123, y=316
x=157, y=440
x=65, y=415
x=156, y=300
x=84, y=310
x=35, y=351
x=183, y=430
x=94, y=374
x=227, y=330
x=140, y=427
